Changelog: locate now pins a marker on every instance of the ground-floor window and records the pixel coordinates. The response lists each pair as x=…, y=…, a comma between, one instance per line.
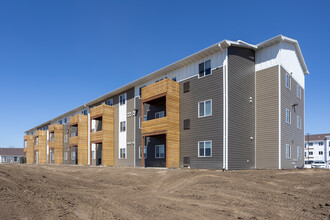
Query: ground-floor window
x=4, y=159
x=65, y=155
x=298, y=152
x=159, y=151
x=15, y=159
x=145, y=152
x=288, y=151
x=122, y=153
x=205, y=149
x=73, y=155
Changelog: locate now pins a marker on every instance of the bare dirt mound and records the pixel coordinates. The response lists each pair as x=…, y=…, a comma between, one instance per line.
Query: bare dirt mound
x=66, y=192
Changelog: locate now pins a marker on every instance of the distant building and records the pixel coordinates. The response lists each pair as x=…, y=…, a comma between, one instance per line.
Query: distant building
x=11, y=155
x=317, y=148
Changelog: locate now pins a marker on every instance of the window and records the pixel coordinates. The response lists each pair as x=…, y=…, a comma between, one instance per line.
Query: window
x=122, y=126
x=85, y=112
x=93, y=155
x=174, y=78
x=305, y=154
x=205, y=108
x=110, y=102
x=4, y=159
x=288, y=116
x=186, y=124
x=298, y=91
x=288, y=81
x=204, y=68
x=160, y=114
x=320, y=152
x=73, y=155
x=140, y=121
x=51, y=138
x=37, y=140
x=298, y=122
x=65, y=155
x=298, y=152
x=122, y=99
x=15, y=159
x=329, y=153
x=321, y=143
x=288, y=151
x=140, y=90
x=122, y=153
x=60, y=122
x=205, y=149
x=25, y=143
x=159, y=151
x=186, y=87
x=145, y=152
x=311, y=144
x=66, y=138
x=310, y=153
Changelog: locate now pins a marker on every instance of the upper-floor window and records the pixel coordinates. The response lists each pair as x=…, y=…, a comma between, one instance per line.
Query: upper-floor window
x=310, y=153
x=122, y=99
x=140, y=121
x=298, y=152
x=204, y=68
x=65, y=120
x=205, y=149
x=298, y=122
x=298, y=91
x=288, y=81
x=288, y=116
x=60, y=122
x=174, y=78
x=122, y=126
x=321, y=143
x=25, y=143
x=85, y=112
x=310, y=144
x=140, y=90
x=159, y=114
x=205, y=108
x=37, y=140
x=110, y=102
x=288, y=151
x=320, y=152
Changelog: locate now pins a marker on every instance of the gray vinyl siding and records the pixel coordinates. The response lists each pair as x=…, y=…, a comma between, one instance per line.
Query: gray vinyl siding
x=206, y=128
x=290, y=134
x=129, y=161
x=267, y=107
x=66, y=147
x=241, y=113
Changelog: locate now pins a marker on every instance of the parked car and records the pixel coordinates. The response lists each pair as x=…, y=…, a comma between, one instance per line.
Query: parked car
x=318, y=164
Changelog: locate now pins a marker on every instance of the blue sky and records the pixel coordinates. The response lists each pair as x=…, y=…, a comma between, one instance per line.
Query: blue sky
x=57, y=55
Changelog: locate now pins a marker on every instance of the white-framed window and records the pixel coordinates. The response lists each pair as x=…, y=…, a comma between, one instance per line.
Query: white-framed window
x=37, y=140
x=140, y=120
x=204, y=68
x=310, y=153
x=310, y=144
x=51, y=138
x=122, y=153
x=65, y=155
x=298, y=122
x=66, y=138
x=320, y=152
x=205, y=108
x=4, y=159
x=110, y=102
x=298, y=91
x=122, y=99
x=159, y=114
x=205, y=149
x=288, y=81
x=73, y=155
x=93, y=155
x=321, y=143
x=93, y=151
x=122, y=126
x=159, y=151
x=288, y=116
x=298, y=152
x=288, y=151
x=145, y=152
x=174, y=78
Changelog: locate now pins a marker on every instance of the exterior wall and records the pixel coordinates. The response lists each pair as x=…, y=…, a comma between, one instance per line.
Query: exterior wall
x=290, y=134
x=41, y=146
x=129, y=137
x=81, y=141
x=206, y=128
x=10, y=159
x=241, y=112
x=29, y=149
x=66, y=146
x=57, y=145
x=267, y=124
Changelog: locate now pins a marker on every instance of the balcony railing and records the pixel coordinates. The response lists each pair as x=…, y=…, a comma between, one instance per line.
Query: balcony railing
x=158, y=88
x=154, y=125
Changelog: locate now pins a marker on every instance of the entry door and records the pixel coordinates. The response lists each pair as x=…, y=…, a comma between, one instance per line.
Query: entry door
x=37, y=157
x=74, y=155
x=98, y=154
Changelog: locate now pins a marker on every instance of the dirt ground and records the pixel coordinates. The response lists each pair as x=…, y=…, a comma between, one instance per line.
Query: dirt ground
x=70, y=192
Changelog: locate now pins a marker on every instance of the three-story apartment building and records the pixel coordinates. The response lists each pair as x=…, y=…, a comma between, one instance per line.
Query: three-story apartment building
x=317, y=148
x=232, y=105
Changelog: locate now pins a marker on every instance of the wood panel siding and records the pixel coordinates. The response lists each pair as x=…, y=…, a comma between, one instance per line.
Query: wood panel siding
x=206, y=128
x=81, y=140
x=241, y=112
x=57, y=144
x=29, y=148
x=169, y=124
x=106, y=136
x=41, y=147
x=290, y=134
x=267, y=105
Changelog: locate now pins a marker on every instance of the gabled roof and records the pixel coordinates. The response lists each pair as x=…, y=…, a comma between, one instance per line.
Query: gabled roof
x=222, y=45
x=11, y=152
x=317, y=137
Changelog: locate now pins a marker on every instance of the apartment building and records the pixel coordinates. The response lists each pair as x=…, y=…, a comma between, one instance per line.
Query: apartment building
x=233, y=105
x=11, y=155
x=317, y=148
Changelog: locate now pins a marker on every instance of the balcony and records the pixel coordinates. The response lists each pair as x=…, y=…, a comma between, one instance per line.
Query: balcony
x=158, y=89
x=158, y=125
x=73, y=141
x=97, y=136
